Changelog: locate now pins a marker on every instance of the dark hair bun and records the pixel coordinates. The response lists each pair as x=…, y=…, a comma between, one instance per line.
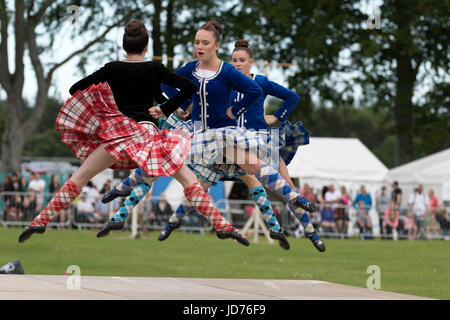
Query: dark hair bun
x=241, y=44
x=216, y=25
x=135, y=28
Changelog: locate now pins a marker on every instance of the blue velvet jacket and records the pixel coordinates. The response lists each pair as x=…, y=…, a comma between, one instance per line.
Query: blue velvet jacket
x=213, y=95
x=255, y=118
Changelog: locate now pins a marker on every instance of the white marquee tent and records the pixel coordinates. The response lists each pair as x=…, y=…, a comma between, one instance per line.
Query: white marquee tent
x=432, y=171
x=342, y=162
x=338, y=161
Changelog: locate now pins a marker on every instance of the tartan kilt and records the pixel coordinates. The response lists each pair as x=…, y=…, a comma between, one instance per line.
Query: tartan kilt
x=206, y=158
x=91, y=118
x=291, y=137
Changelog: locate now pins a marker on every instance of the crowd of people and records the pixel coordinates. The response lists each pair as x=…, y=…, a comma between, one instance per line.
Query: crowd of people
x=422, y=216
x=24, y=197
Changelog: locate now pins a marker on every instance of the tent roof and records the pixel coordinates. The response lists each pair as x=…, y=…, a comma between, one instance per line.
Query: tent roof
x=343, y=159
x=434, y=168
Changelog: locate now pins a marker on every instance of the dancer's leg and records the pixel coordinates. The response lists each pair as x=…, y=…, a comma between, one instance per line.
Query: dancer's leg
x=259, y=196
x=96, y=162
x=271, y=179
x=176, y=218
x=118, y=220
x=200, y=200
x=137, y=177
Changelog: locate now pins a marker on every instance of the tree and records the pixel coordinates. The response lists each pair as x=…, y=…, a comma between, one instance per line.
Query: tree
x=390, y=63
x=410, y=47
x=35, y=25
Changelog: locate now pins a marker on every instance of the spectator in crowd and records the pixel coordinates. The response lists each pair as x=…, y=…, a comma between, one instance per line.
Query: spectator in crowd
x=54, y=186
x=102, y=210
x=106, y=187
x=365, y=197
x=442, y=217
x=7, y=186
x=322, y=195
x=363, y=219
x=85, y=209
x=396, y=195
x=383, y=203
x=417, y=204
x=430, y=225
x=13, y=202
x=341, y=212
x=37, y=185
x=92, y=193
x=433, y=201
x=148, y=209
x=332, y=198
x=308, y=193
x=29, y=206
x=327, y=221
x=24, y=182
x=391, y=219
x=163, y=210
x=410, y=225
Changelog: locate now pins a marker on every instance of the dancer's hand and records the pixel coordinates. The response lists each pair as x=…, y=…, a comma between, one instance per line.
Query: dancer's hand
x=156, y=112
x=229, y=113
x=270, y=119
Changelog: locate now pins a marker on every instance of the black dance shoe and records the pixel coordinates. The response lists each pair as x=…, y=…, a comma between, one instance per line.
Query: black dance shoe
x=168, y=230
x=110, y=225
x=305, y=204
x=114, y=193
x=281, y=237
x=28, y=232
x=233, y=234
x=317, y=242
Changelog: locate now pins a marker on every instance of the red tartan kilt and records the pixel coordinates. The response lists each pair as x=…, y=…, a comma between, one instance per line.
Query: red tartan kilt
x=91, y=118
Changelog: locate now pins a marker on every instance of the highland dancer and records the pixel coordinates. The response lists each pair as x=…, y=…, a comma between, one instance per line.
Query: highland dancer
x=215, y=81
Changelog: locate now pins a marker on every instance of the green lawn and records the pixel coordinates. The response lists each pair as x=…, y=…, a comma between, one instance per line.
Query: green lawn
x=419, y=268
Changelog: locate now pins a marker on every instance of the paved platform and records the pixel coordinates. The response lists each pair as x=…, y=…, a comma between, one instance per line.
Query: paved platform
x=30, y=287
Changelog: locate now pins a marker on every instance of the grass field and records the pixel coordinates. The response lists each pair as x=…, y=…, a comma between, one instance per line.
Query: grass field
x=419, y=268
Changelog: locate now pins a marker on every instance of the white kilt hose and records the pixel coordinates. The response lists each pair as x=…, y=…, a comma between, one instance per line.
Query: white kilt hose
x=91, y=118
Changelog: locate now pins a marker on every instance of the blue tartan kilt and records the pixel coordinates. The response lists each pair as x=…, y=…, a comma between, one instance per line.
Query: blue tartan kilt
x=207, y=161
x=291, y=137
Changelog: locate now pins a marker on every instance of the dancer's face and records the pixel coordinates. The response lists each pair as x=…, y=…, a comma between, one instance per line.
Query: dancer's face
x=241, y=61
x=205, y=45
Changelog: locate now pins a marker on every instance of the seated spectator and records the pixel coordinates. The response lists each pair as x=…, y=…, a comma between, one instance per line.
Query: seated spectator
x=14, y=212
x=410, y=225
x=363, y=220
x=102, y=209
x=327, y=219
x=430, y=225
x=91, y=193
x=37, y=185
x=442, y=218
x=382, y=203
x=341, y=212
x=29, y=206
x=85, y=209
x=365, y=197
x=391, y=218
x=417, y=204
x=193, y=219
x=163, y=210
